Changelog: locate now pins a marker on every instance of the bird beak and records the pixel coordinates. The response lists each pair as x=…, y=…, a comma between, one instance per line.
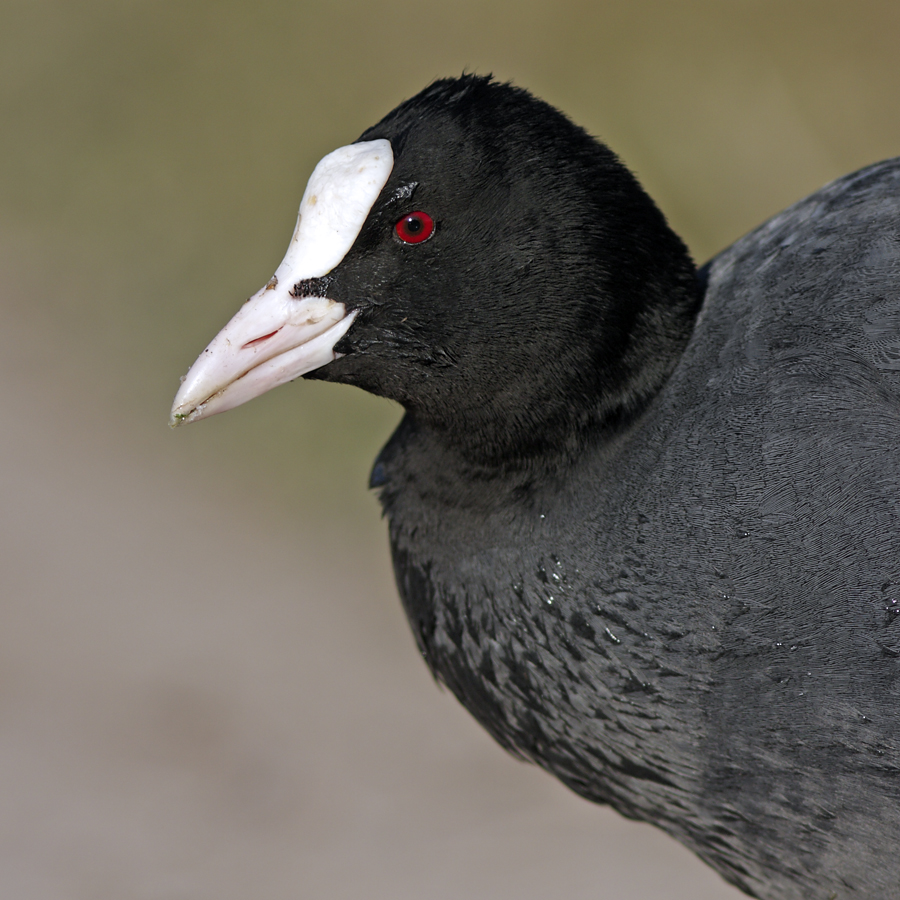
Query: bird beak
x=273, y=339
x=277, y=336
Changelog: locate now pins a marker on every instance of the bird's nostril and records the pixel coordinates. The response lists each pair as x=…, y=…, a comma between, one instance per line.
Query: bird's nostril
x=260, y=339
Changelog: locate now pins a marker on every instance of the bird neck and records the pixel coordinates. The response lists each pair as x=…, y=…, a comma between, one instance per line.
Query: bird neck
x=523, y=428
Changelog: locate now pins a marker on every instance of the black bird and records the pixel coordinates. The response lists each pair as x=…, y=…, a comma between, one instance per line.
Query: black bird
x=645, y=521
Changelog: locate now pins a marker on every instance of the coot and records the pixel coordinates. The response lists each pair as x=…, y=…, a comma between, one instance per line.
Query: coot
x=645, y=521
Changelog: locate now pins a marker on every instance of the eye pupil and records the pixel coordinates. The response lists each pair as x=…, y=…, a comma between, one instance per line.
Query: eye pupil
x=415, y=228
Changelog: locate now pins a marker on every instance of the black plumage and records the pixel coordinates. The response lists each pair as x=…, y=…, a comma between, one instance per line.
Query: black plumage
x=645, y=521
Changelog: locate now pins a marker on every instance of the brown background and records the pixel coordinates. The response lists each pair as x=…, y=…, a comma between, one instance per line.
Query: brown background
x=207, y=689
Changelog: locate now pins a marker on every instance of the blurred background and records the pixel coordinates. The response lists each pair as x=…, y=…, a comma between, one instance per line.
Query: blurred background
x=207, y=688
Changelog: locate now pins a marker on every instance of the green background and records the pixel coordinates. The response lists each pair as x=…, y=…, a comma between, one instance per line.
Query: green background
x=154, y=154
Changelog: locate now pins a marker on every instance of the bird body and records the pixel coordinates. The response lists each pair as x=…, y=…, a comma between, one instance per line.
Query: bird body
x=697, y=621
x=645, y=522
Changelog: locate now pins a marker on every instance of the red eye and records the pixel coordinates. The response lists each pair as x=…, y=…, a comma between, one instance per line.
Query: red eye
x=415, y=228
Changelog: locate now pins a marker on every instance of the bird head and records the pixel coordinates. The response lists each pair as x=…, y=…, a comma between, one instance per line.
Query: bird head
x=481, y=260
